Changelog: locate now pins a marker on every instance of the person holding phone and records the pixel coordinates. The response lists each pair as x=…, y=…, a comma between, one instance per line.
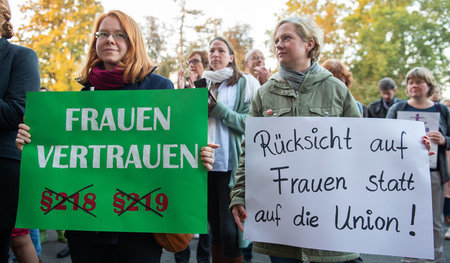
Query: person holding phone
x=197, y=64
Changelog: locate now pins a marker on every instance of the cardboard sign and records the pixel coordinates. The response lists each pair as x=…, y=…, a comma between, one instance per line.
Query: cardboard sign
x=340, y=184
x=115, y=161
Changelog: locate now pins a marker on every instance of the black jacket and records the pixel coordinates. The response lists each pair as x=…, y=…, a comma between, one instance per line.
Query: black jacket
x=376, y=109
x=19, y=72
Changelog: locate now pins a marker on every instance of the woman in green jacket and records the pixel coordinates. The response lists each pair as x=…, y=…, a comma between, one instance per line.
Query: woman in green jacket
x=300, y=88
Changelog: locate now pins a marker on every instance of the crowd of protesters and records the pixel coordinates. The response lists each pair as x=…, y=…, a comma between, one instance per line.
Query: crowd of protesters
x=116, y=60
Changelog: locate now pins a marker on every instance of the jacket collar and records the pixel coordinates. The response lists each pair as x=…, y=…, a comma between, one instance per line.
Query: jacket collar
x=281, y=86
x=311, y=77
x=3, y=42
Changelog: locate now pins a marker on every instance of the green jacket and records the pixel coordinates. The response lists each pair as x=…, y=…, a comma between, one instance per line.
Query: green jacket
x=235, y=120
x=320, y=95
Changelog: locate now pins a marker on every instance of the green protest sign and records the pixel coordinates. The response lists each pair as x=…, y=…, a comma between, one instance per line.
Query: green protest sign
x=115, y=161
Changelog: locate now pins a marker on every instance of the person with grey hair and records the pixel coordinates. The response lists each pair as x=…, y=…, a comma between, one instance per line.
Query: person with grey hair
x=254, y=62
x=302, y=82
x=379, y=108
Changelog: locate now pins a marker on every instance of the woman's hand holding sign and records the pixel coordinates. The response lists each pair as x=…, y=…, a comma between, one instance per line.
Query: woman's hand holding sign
x=207, y=155
x=426, y=141
x=23, y=136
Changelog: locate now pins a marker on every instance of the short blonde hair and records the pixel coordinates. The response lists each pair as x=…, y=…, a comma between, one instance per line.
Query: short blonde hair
x=136, y=63
x=425, y=75
x=306, y=29
x=6, y=28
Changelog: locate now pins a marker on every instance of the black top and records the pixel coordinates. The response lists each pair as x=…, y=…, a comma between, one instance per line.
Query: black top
x=376, y=109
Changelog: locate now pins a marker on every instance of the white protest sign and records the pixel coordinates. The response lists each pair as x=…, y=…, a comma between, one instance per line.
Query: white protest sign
x=341, y=184
x=431, y=121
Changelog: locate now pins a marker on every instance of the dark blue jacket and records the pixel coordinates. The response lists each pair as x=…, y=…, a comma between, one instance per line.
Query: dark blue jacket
x=19, y=72
x=151, y=82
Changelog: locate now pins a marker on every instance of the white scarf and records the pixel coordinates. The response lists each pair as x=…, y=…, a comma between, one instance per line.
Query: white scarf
x=251, y=85
x=218, y=76
x=221, y=75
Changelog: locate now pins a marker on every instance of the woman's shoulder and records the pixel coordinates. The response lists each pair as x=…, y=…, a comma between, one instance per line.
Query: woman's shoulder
x=21, y=50
x=444, y=109
x=155, y=81
x=275, y=80
x=399, y=105
x=326, y=79
x=16, y=52
x=21, y=58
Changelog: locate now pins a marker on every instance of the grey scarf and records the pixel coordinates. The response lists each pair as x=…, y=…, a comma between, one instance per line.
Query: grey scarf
x=293, y=77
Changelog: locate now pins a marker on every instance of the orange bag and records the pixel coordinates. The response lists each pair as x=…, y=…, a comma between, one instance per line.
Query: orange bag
x=173, y=242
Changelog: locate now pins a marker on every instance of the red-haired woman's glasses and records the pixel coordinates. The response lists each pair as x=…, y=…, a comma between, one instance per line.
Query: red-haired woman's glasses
x=105, y=35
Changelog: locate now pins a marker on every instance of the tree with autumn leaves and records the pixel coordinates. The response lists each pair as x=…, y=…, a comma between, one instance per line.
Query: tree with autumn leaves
x=381, y=38
x=376, y=38
x=200, y=29
x=59, y=31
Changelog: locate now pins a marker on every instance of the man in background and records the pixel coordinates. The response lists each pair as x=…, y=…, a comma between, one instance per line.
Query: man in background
x=254, y=62
x=379, y=108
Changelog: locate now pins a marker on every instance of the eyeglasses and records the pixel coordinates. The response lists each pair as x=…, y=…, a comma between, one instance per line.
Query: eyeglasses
x=105, y=35
x=193, y=61
x=256, y=58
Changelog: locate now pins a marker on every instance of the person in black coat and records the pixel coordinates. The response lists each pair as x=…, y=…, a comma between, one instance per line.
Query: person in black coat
x=19, y=72
x=379, y=108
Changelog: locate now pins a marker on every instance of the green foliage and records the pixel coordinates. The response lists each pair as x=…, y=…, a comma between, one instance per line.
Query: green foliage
x=394, y=36
x=58, y=31
x=381, y=38
x=329, y=15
